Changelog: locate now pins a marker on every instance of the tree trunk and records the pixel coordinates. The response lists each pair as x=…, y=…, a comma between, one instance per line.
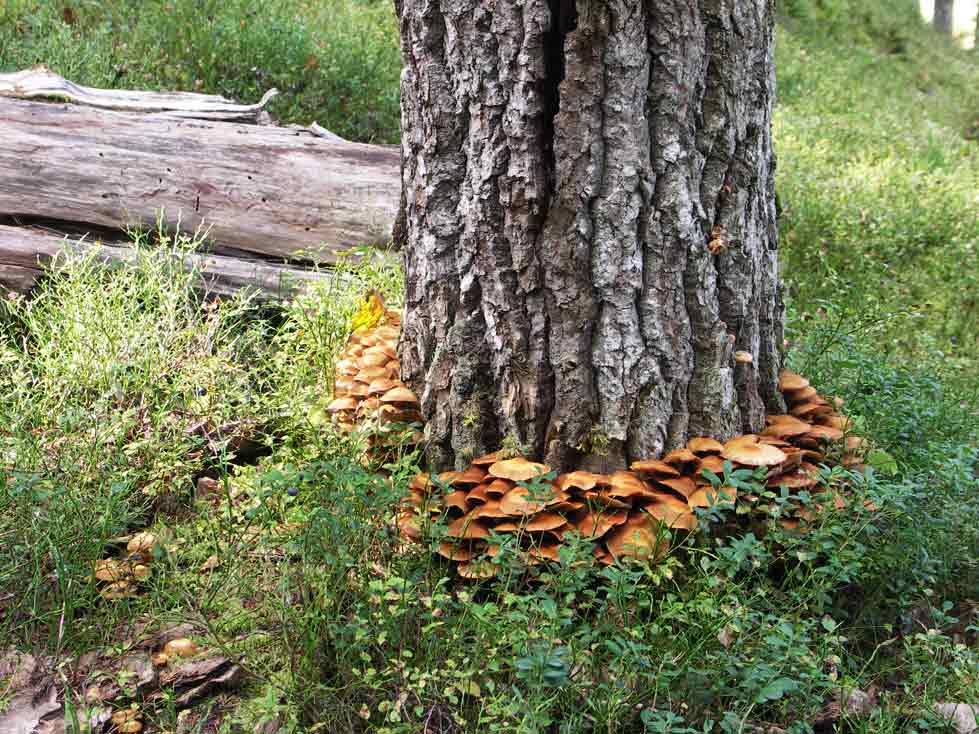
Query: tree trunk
x=943, y=16
x=589, y=224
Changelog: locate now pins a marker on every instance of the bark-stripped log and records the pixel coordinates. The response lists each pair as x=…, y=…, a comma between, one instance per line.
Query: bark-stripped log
x=41, y=82
x=590, y=224
x=269, y=191
x=25, y=255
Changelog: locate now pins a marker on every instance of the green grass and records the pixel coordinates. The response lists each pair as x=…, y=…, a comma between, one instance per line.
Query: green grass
x=878, y=169
x=340, y=627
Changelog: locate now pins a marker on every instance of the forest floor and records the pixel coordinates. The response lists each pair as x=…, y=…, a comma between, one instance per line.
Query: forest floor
x=307, y=611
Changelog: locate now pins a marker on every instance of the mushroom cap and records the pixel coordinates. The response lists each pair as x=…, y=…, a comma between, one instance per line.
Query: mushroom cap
x=711, y=462
x=410, y=525
x=743, y=357
x=786, y=425
x=479, y=493
x=471, y=475
x=626, y=484
x=811, y=409
x=566, y=506
x=705, y=445
x=638, y=537
x=491, y=508
x=486, y=459
x=604, y=499
x=458, y=551
x=853, y=443
x=399, y=395
x=545, y=521
x=596, y=524
x=369, y=374
x=788, y=380
x=109, y=569
x=181, y=647
x=603, y=556
x=654, y=466
x=672, y=511
x=468, y=528
x=341, y=404
x=387, y=332
x=799, y=396
x=708, y=496
x=369, y=359
x=773, y=441
x=518, y=502
x=498, y=487
x=546, y=551
x=142, y=542
x=357, y=390
x=518, y=469
x=825, y=433
x=457, y=499
x=421, y=482
x=681, y=485
x=583, y=480
x=117, y=590
x=752, y=454
x=381, y=385
x=794, y=480
x=508, y=526
x=791, y=463
x=680, y=456
x=836, y=421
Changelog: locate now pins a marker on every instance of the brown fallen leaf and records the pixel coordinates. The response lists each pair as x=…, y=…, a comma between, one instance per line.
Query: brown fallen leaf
x=32, y=697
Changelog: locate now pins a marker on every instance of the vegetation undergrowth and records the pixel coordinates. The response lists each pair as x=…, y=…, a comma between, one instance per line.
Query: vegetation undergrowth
x=294, y=568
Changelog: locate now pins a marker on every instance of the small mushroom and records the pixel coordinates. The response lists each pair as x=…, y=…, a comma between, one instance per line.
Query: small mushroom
x=182, y=647
x=638, y=538
x=791, y=381
x=655, y=466
x=518, y=469
x=704, y=445
x=751, y=453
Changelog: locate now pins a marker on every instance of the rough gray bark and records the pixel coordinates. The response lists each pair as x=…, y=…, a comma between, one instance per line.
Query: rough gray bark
x=26, y=254
x=590, y=223
x=943, y=16
x=268, y=191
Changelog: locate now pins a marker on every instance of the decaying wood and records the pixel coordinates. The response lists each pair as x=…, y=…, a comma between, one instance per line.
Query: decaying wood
x=268, y=191
x=41, y=82
x=590, y=224
x=25, y=255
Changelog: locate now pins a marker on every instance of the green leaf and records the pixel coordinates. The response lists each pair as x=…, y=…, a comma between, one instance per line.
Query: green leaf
x=775, y=690
x=882, y=462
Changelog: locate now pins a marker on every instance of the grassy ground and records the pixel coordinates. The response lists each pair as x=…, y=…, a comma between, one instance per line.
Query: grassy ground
x=342, y=630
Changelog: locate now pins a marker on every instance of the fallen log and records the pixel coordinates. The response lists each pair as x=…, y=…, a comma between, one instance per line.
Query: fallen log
x=26, y=254
x=268, y=191
x=41, y=82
